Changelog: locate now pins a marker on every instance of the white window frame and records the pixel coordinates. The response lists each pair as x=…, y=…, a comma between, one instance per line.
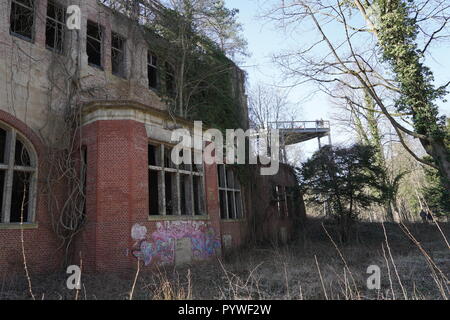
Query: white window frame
x=178, y=172
x=9, y=167
x=233, y=191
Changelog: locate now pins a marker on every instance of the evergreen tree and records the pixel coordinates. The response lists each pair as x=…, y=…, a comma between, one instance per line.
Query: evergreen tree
x=344, y=178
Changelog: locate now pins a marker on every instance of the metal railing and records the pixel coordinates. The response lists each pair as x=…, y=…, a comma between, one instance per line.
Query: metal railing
x=307, y=125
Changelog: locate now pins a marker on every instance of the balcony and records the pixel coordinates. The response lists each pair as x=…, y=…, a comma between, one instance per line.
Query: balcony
x=293, y=132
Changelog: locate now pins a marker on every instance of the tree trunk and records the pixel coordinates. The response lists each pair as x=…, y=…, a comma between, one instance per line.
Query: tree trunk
x=440, y=153
x=345, y=228
x=389, y=211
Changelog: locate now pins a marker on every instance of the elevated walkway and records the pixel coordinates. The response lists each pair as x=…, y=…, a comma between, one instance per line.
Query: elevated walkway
x=293, y=132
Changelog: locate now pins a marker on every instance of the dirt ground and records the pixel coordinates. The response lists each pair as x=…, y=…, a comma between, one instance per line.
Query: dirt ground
x=312, y=266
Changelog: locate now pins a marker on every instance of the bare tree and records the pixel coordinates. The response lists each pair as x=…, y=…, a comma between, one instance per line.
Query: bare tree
x=359, y=115
x=378, y=47
x=268, y=104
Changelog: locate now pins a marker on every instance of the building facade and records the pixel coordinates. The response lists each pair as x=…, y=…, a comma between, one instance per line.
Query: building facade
x=120, y=198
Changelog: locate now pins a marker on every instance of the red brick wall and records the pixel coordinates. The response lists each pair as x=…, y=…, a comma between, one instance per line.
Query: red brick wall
x=117, y=199
x=116, y=191
x=117, y=194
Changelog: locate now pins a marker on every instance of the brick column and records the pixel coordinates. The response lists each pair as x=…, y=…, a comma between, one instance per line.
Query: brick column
x=212, y=197
x=117, y=195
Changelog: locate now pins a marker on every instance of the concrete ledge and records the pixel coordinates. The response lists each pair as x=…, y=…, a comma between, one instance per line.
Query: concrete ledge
x=232, y=220
x=18, y=226
x=179, y=218
x=127, y=110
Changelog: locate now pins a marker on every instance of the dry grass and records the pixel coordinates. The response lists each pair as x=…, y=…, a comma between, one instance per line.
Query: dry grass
x=312, y=267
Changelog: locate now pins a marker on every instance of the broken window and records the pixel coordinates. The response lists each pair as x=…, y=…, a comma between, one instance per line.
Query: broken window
x=94, y=44
x=17, y=178
x=173, y=190
x=290, y=201
x=55, y=26
x=170, y=80
x=22, y=19
x=152, y=70
x=118, y=54
x=230, y=197
x=280, y=200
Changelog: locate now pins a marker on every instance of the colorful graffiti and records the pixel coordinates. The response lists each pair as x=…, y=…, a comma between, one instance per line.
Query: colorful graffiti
x=161, y=247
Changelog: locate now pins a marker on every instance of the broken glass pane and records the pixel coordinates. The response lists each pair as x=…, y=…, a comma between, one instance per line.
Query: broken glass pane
x=22, y=18
x=94, y=44
x=20, y=197
x=22, y=157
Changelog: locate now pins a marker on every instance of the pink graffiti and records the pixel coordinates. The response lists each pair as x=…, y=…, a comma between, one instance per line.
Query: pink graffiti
x=161, y=246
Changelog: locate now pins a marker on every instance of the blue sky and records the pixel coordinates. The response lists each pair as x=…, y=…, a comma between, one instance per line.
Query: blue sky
x=265, y=39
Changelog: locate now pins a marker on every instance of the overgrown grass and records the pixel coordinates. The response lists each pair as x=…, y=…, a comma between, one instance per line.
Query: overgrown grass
x=312, y=267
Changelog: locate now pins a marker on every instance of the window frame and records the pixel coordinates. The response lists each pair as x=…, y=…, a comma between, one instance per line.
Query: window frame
x=9, y=167
x=100, y=41
x=57, y=22
x=169, y=80
x=33, y=31
x=280, y=199
x=150, y=59
x=162, y=169
x=226, y=189
x=122, y=72
x=290, y=201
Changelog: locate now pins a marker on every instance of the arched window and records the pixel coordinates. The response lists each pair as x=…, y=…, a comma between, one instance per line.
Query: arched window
x=18, y=172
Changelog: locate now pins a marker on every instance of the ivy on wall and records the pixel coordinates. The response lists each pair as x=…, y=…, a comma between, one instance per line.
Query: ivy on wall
x=207, y=85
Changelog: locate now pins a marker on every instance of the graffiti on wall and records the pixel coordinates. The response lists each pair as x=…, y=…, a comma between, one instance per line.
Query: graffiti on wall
x=160, y=247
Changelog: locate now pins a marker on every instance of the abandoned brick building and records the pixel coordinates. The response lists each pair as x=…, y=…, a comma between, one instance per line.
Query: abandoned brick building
x=137, y=203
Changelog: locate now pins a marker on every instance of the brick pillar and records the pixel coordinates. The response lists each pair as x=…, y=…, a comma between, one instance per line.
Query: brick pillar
x=117, y=195
x=212, y=197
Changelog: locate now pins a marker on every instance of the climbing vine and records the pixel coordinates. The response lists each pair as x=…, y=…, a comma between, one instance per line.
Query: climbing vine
x=397, y=35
